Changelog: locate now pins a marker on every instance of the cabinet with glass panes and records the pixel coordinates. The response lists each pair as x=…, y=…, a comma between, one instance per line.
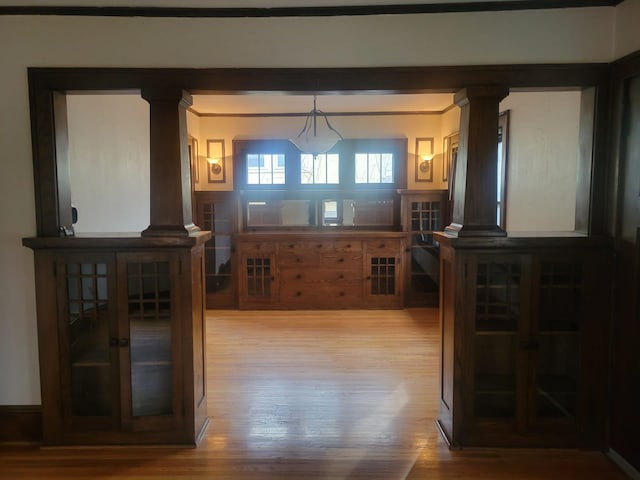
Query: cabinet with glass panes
x=422, y=214
x=217, y=212
x=116, y=342
x=515, y=326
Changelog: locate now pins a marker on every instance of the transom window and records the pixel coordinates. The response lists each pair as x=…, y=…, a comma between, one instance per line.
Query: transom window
x=320, y=169
x=374, y=167
x=265, y=169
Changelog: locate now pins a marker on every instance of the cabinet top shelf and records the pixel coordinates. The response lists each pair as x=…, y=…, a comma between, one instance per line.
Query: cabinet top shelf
x=523, y=241
x=109, y=241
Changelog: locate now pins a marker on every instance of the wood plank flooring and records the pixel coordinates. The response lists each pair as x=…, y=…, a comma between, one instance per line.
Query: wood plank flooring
x=315, y=395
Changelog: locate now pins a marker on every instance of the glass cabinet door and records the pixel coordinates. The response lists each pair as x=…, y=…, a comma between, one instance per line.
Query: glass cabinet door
x=87, y=329
x=498, y=309
x=423, y=217
x=149, y=321
x=216, y=213
x=559, y=318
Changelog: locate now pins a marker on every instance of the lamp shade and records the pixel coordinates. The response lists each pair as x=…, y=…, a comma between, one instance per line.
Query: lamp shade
x=317, y=135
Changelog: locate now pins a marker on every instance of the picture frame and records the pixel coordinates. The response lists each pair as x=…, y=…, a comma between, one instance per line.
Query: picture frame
x=215, y=161
x=449, y=155
x=424, y=159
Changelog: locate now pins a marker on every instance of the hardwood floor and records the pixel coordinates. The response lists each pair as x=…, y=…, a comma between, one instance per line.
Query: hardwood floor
x=315, y=395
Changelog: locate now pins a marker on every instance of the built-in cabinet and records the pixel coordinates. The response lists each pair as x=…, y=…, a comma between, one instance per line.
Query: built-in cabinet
x=423, y=213
x=321, y=270
x=523, y=341
x=121, y=330
x=217, y=212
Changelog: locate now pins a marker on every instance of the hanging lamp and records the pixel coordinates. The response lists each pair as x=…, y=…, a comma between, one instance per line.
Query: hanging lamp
x=317, y=135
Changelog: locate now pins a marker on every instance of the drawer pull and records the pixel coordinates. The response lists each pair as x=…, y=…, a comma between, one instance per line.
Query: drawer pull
x=341, y=276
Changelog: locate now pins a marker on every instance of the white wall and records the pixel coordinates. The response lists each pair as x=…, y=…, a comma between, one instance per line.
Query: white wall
x=109, y=154
x=627, y=28
x=542, y=160
x=570, y=35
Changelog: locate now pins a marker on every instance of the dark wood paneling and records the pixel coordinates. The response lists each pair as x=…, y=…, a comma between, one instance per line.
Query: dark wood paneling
x=311, y=11
x=475, y=191
x=307, y=80
x=20, y=423
x=625, y=375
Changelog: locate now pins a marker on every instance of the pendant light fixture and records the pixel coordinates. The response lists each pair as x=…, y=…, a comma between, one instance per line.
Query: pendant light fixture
x=317, y=136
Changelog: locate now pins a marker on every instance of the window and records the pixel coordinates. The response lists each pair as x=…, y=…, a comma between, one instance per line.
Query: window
x=374, y=167
x=265, y=169
x=354, y=185
x=321, y=169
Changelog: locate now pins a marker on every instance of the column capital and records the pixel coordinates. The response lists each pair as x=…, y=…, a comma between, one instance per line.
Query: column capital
x=167, y=94
x=464, y=96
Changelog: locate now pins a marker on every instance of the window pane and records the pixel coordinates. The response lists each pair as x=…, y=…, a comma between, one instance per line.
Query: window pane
x=387, y=168
x=306, y=168
x=361, y=168
x=321, y=169
x=333, y=168
x=374, y=168
x=265, y=169
x=278, y=169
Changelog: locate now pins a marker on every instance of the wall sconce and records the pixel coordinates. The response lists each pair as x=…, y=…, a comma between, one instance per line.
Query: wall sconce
x=215, y=161
x=215, y=165
x=424, y=159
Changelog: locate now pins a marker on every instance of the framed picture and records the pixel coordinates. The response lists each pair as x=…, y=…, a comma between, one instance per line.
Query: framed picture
x=449, y=155
x=424, y=159
x=193, y=159
x=215, y=161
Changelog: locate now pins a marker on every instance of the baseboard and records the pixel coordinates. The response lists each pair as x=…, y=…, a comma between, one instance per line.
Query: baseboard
x=20, y=424
x=625, y=466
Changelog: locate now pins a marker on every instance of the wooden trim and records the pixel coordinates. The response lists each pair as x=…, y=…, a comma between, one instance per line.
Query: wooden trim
x=52, y=196
x=391, y=80
x=20, y=424
x=328, y=114
x=316, y=11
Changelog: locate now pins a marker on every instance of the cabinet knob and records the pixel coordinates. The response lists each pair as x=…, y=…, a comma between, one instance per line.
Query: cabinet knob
x=124, y=342
x=348, y=245
x=298, y=294
x=298, y=277
x=113, y=342
x=341, y=276
x=342, y=294
x=341, y=260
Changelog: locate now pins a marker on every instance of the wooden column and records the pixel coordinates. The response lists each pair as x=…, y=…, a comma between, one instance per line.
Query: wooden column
x=171, y=212
x=476, y=169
